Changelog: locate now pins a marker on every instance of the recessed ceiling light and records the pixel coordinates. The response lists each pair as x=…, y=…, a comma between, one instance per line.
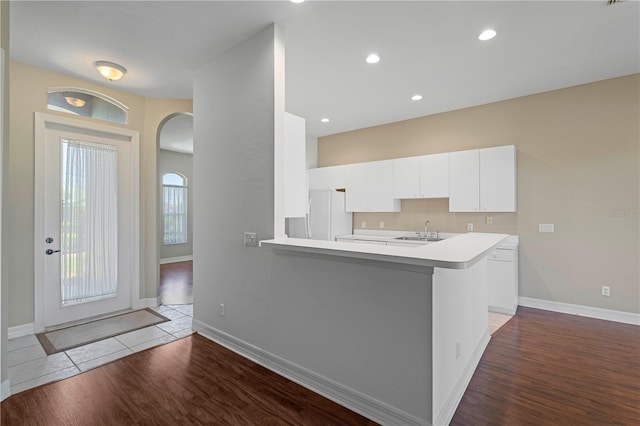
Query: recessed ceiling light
x=296, y=1
x=416, y=97
x=324, y=120
x=487, y=35
x=373, y=58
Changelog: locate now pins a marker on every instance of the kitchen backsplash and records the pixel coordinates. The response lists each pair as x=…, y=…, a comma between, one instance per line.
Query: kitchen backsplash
x=414, y=213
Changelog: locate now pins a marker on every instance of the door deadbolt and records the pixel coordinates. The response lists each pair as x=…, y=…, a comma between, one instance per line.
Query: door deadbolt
x=49, y=240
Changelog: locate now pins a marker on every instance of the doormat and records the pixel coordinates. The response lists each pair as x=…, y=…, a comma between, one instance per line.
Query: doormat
x=77, y=335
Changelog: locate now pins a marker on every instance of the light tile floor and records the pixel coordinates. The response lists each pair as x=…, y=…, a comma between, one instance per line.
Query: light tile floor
x=497, y=320
x=29, y=365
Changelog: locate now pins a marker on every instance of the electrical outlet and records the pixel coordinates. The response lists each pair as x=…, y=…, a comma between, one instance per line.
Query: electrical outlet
x=221, y=310
x=489, y=220
x=469, y=227
x=250, y=239
x=363, y=225
x=546, y=227
x=457, y=350
x=606, y=290
x=381, y=225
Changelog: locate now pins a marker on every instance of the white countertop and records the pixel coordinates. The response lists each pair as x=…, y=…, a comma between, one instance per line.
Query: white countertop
x=457, y=252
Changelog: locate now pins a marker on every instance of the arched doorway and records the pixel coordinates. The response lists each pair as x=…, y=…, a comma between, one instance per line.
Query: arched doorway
x=175, y=207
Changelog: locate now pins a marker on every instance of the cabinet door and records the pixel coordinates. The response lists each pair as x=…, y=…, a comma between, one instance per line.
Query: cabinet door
x=380, y=187
x=406, y=178
x=498, y=179
x=464, y=181
x=295, y=182
x=434, y=176
x=335, y=177
x=355, y=177
x=317, y=178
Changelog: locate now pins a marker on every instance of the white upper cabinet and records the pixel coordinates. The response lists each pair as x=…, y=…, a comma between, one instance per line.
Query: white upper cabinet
x=421, y=177
x=355, y=177
x=380, y=183
x=498, y=179
x=483, y=180
x=369, y=187
x=318, y=178
x=464, y=181
x=406, y=177
x=295, y=182
x=335, y=177
x=327, y=177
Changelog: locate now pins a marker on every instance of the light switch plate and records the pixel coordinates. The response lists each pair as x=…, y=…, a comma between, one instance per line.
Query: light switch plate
x=250, y=239
x=546, y=227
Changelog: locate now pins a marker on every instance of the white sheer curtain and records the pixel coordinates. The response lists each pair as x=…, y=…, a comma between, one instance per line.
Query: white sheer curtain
x=89, y=225
x=175, y=214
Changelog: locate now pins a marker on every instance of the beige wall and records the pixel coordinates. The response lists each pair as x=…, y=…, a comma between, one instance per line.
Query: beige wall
x=578, y=163
x=4, y=193
x=28, y=88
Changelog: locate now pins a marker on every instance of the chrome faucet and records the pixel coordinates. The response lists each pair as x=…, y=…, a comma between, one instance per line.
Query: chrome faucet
x=426, y=228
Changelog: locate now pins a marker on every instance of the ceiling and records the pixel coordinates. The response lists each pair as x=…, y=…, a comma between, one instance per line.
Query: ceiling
x=427, y=47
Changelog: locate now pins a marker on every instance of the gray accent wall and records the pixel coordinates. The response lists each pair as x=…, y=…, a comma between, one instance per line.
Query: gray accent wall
x=359, y=327
x=182, y=164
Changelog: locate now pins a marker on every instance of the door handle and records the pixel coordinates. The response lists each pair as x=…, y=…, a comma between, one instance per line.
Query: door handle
x=49, y=251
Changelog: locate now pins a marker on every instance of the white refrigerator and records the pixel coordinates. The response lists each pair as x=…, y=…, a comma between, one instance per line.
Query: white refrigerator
x=326, y=218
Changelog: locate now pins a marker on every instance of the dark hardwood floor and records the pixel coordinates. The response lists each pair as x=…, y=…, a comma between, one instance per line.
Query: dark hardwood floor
x=176, y=283
x=541, y=368
x=546, y=368
x=189, y=381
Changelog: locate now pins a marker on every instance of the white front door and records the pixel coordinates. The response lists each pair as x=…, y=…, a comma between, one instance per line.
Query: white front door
x=86, y=250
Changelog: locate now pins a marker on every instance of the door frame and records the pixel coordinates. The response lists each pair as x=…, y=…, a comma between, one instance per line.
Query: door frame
x=40, y=122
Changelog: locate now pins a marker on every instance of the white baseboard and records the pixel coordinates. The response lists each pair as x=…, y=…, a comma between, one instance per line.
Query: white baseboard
x=21, y=331
x=150, y=302
x=5, y=390
x=349, y=398
x=583, y=311
x=456, y=394
x=176, y=259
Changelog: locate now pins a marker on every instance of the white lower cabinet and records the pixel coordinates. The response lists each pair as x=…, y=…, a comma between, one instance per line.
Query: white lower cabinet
x=502, y=268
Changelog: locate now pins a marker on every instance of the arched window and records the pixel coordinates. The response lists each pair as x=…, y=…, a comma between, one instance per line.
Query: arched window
x=174, y=197
x=87, y=103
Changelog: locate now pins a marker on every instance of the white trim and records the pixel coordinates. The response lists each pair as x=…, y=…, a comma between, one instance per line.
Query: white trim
x=5, y=390
x=455, y=396
x=583, y=311
x=176, y=259
x=21, y=331
x=92, y=93
x=349, y=398
x=40, y=121
x=150, y=302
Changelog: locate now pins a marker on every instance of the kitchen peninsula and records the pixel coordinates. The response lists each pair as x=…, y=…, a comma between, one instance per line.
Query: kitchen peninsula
x=403, y=328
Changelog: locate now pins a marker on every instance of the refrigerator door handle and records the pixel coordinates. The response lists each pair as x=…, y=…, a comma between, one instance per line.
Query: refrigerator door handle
x=307, y=222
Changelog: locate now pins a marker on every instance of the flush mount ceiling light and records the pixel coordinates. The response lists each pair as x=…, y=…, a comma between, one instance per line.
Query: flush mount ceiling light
x=373, y=58
x=109, y=70
x=75, y=102
x=324, y=120
x=487, y=35
x=296, y=1
x=416, y=97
